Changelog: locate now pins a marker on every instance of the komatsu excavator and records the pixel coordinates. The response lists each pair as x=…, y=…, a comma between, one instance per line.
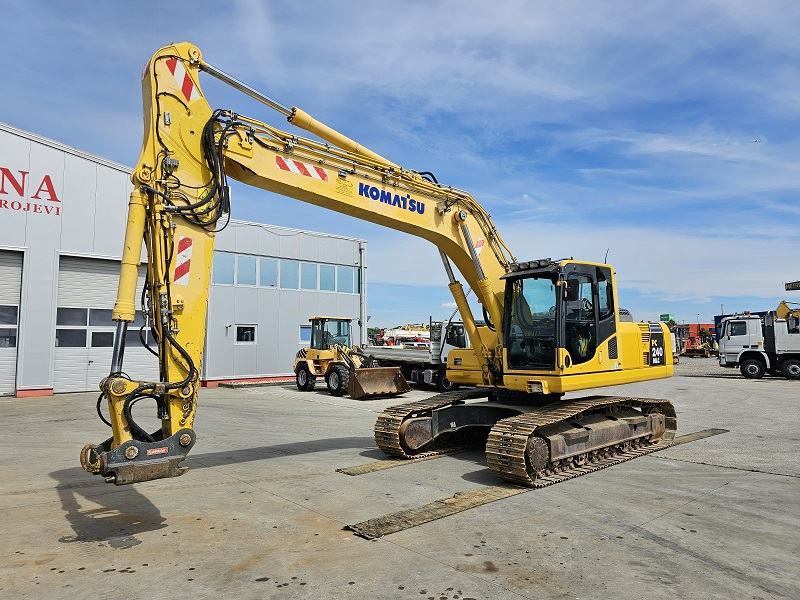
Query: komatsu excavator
x=548, y=326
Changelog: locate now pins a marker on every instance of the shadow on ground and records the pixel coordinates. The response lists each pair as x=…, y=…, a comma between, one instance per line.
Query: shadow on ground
x=125, y=511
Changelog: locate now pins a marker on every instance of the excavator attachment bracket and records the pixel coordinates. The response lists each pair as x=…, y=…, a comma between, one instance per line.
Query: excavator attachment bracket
x=135, y=461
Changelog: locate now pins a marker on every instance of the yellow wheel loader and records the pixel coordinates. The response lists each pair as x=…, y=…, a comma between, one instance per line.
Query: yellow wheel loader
x=548, y=328
x=345, y=369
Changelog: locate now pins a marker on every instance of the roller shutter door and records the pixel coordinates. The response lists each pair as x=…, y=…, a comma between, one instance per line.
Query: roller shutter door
x=87, y=289
x=10, y=284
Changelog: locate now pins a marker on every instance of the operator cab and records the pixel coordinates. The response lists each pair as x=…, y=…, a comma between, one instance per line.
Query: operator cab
x=329, y=331
x=538, y=320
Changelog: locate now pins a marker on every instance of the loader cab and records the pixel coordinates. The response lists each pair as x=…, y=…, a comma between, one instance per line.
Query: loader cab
x=329, y=331
x=551, y=305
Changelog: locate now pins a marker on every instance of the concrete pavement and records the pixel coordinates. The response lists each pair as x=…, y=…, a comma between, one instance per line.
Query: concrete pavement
x=261, y=512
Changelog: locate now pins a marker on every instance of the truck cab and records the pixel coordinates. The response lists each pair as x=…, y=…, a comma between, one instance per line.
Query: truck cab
x=742, y=339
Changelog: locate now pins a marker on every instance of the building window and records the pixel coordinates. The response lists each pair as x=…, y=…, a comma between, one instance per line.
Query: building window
x=344, y=279
x=289, y=274
x=245, y=270
x=72, y=316
x=245, y=334
x=70, y=338
x=327, y=278
x=8, y=315
x=77, y=326
x=134, y=339
x=8, y=337
x=268, y=272
x=222, y=269
x=8, y=318
x=105, y=339
x=99, y=316
x=305, y=334
x=308, y=276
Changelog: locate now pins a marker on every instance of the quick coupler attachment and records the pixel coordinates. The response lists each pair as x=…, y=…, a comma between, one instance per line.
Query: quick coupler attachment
x=135, y=461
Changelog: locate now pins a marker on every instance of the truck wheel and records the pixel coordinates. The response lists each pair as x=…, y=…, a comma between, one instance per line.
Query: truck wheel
x=791, y=369
x=337, y=379
x=752, y=368
x=304, y=379
x=443, y=384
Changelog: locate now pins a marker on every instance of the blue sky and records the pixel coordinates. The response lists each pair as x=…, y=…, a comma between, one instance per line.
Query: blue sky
x=663, y=132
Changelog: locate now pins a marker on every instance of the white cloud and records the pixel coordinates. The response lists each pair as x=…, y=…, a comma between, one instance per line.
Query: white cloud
x=448, y=305
x=657, y=262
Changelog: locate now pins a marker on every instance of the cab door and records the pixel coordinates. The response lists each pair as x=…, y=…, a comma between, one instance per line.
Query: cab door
x=589, y=319
x=737, y=338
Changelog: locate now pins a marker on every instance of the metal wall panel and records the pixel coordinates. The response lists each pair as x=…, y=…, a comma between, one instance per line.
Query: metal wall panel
x=111, y=212
x=42, y=237
x=309, y=248
x=14, y=156
x=78, y=218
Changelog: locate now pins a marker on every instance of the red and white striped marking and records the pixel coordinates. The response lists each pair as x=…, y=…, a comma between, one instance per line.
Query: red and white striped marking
x=300, y=168
x=479, y=246
x=183, y=261
x=188, y=88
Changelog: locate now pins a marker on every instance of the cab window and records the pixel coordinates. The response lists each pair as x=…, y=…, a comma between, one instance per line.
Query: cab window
x=579, y=318
x=327, y=333
x=605, y=301
x=737, y=328
x=456, y=336
x=531, y=328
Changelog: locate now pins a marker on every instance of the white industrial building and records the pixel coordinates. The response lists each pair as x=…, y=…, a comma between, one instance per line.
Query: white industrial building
x=62, y=220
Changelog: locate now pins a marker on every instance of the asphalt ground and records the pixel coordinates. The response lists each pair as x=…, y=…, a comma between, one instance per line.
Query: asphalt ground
x=262, y=510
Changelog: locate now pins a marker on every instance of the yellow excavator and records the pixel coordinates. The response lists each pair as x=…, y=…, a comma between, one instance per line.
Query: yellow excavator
x=344, y=367
x=548, y=327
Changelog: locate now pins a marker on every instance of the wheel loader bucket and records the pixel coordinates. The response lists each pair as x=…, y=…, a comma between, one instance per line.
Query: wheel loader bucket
x=377, y=381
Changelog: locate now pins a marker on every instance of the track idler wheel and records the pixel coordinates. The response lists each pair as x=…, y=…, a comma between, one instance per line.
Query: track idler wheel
x=416, y=433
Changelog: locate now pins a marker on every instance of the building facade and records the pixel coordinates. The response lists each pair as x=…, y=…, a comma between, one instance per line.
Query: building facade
x=62, y=221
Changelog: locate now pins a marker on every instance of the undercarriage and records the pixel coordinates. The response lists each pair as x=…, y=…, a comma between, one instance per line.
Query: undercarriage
x=534, y=443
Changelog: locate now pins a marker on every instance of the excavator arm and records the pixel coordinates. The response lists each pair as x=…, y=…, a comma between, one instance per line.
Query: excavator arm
x=181, y=199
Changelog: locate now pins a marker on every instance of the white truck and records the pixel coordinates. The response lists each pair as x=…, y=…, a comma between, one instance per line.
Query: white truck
x=426, y=364
x=762, y=345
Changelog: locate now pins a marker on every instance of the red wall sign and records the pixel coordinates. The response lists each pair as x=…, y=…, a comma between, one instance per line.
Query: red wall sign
x=15, y=190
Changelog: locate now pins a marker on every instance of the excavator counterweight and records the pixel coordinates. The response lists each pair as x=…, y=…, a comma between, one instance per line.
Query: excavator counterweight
x=547, y=328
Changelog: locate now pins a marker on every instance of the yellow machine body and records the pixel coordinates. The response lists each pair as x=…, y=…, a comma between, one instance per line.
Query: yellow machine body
x=180, y=200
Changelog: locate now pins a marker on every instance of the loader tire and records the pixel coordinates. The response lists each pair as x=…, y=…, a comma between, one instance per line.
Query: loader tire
x=791, y=369
x=752, y=368
x=443, y=384
x=304, y=379
x=338, y=379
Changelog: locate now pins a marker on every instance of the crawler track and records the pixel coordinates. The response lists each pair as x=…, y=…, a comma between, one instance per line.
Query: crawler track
x=509, y=438
x=387, y=427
